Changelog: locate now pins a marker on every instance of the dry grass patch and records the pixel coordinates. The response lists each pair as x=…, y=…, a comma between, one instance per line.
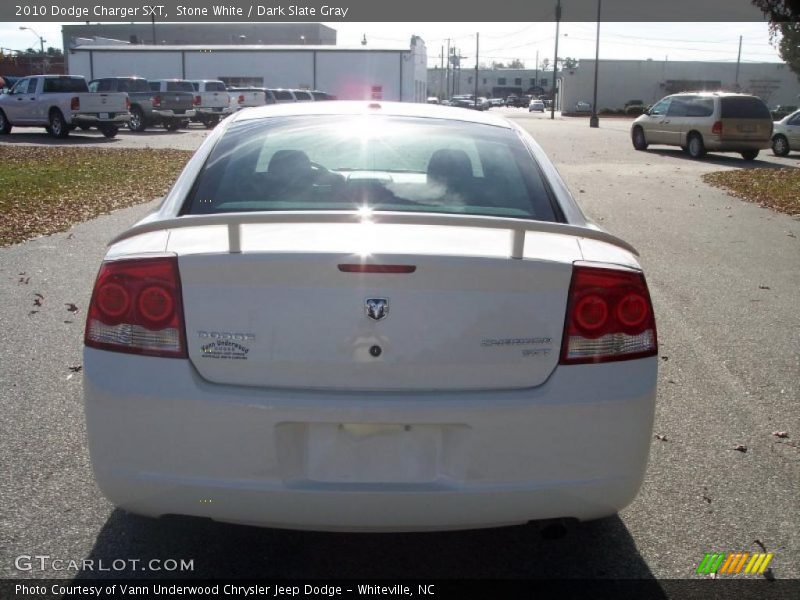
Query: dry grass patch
x=778, y=189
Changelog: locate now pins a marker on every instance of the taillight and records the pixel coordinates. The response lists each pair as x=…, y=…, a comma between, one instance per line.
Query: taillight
x=241, y=98
x=197, y=101
x=136, y=307
x=716, y=129
x=75, y=103
x=156, y=101
x=609, y=317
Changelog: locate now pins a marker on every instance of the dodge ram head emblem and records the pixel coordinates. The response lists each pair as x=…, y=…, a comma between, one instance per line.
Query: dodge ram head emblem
x=377, y=308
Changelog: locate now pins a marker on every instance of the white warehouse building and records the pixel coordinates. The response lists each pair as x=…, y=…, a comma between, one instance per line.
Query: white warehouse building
x=357, y=73
x=620, y=81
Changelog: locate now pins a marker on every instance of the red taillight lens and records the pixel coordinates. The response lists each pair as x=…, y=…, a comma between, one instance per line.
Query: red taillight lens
x=716, y=129
x=75, y=103
x=241, y=98
x=609, y=317
x=156, y=101
x=136, y=307
x=197, y=101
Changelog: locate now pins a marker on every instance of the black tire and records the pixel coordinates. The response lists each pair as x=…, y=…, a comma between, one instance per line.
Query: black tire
x=5, y=126
x=109, y=131
x=750, y=154
x=211, y=122
x=695, y=146
x=58, y=128
x=172, y=125
x=137, y=122
x=638, y=139
x=780, y=145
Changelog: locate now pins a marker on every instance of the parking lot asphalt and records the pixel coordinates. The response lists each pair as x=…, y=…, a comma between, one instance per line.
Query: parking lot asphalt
x=725, y=280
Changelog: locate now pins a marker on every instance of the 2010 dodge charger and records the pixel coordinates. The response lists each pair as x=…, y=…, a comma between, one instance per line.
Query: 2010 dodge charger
x=353, y=316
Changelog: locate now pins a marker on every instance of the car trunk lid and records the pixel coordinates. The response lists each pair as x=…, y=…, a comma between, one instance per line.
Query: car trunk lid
x=284, y=312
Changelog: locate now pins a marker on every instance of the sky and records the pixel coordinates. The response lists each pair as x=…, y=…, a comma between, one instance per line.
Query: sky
x=502, y=42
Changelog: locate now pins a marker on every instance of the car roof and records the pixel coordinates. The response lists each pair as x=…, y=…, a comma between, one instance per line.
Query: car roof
x=394, y=109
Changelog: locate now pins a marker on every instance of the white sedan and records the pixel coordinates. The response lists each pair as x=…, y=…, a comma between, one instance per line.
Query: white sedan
x=536, y=105
x=370, y=317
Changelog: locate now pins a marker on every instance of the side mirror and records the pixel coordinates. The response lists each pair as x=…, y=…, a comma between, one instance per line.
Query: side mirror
x=647, y=111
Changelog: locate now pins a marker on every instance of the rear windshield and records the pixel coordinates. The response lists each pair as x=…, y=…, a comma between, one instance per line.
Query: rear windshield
x=744, y=107
x=321, y=96
x=179, y=86
x=302, y=96
x=133, y=85
x=56, y=85
x=283, y=95
x=215, y=86
x=380, y=163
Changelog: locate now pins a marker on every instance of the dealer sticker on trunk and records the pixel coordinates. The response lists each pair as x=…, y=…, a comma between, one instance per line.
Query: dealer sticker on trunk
x=225, y=345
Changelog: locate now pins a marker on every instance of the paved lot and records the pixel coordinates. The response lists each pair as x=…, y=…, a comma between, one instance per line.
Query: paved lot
x=725, y=278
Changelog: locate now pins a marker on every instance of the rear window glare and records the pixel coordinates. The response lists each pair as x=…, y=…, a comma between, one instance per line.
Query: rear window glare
x=56, y=85
x=744, y=107
x=215, y=86
x=313, y=163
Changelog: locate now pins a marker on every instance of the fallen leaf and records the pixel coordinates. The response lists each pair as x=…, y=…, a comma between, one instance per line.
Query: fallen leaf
x=76, y=369
x=661, y=438
x=764, y=287
x=665, y=358
x=740, y=448
x=71, y=307
x=780, y=434
x=760, y=545
x=24, y=280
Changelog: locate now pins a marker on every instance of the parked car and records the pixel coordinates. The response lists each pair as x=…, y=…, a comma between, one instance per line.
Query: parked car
x=245, y=97
x=283, y=96
x=497, y=101
x=782, y=110
x=338, y=358
x=703, y=121
x=786, y=135
x=630, y=103
x=322, y=96
x=147, y=108
x=432, y=100
x=303, y=95
x=581, y=106
x=173, y=104
x=211, y=102
x=536, y=105
x=60, y=103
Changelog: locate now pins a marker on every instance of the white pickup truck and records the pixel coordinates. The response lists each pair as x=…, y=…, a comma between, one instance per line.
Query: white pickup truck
x=211, y=102
x=60, y=103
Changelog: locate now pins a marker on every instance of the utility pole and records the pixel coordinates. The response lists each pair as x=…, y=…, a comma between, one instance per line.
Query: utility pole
x=555, y=62
x=477, y=48
x=537, y=69
x=441, y=78
x=594, y=120
x=447, y=73
x=738, y=60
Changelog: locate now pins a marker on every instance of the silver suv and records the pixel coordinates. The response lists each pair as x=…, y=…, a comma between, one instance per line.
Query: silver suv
x=703, y=121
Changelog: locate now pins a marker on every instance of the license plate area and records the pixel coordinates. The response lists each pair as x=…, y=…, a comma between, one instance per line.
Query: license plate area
x=103, y=115
x=747, y=128
x=370, y=453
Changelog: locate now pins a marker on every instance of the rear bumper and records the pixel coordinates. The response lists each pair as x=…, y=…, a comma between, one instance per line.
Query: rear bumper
x=171, y=114
x=94, y=119
x=170, y=442
x=207, y=111
x=718, y=145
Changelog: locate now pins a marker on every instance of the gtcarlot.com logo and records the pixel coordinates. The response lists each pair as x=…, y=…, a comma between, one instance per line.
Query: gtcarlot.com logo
x=27, y=562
